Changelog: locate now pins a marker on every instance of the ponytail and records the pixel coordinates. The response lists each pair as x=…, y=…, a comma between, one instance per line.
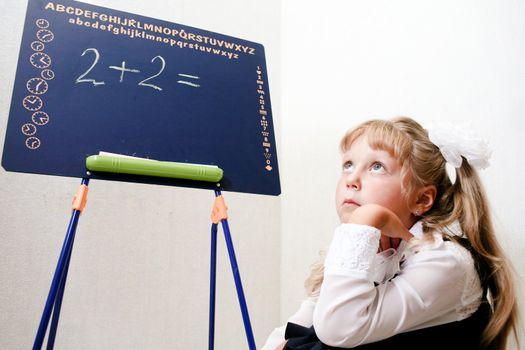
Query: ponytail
x=465, y=201
x=471, y=209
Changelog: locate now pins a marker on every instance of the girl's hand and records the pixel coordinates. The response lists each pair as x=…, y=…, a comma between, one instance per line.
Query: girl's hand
x=281, y=346
x=392, y=229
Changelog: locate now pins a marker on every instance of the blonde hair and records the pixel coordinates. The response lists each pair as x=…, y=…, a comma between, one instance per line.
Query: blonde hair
x=464, y=201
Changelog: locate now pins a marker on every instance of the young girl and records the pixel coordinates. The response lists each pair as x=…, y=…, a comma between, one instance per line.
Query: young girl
x=415, y=258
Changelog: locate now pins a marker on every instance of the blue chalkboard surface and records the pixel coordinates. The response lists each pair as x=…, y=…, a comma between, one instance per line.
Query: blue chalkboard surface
x=93, y=79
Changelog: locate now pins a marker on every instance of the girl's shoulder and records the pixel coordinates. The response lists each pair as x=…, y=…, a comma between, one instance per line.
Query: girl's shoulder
x=445, y=241
x=448, y=248
x=425, y=249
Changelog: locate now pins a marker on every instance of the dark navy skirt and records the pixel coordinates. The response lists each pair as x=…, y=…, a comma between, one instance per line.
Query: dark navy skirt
x=461, y=335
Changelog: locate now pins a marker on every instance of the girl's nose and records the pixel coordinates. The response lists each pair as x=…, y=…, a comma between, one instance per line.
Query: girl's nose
x=353, y=181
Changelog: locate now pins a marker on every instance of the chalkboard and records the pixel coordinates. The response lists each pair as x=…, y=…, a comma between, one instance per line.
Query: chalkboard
x=93, y=79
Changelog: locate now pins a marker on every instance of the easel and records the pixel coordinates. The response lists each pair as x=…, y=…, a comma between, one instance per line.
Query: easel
x=56, y=292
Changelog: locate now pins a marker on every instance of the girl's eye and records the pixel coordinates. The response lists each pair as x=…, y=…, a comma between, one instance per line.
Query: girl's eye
x=348, y=166
x=377, y=168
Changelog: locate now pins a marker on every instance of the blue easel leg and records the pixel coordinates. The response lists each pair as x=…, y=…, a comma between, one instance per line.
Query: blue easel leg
x=238, y=283
x=58, y=303
x=213, y=274
x=58, y=278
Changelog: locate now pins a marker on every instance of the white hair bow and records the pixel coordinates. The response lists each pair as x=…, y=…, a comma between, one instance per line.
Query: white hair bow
x=456, y=141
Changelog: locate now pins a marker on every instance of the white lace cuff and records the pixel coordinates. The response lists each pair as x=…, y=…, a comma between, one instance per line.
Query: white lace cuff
x=353, y=250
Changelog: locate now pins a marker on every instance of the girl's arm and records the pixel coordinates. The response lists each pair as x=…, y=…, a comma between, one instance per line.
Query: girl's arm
x=381, y=218
x=351, y=310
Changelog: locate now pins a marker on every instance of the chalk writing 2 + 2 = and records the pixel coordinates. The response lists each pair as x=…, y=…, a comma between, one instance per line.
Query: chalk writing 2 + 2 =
x=83, y=78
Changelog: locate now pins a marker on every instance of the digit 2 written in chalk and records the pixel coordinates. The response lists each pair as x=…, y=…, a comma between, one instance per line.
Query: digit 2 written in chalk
x=122, y=68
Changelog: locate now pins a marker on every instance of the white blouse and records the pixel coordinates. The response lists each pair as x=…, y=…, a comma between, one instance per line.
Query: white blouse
x=425, y=283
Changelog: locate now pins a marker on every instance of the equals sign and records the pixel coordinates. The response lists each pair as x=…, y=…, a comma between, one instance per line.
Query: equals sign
x=188, y=82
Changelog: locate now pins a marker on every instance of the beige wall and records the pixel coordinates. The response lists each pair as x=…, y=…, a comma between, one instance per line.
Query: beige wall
x=139, y=273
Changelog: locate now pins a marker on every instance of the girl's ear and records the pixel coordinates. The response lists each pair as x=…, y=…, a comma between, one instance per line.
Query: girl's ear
x=425, y=199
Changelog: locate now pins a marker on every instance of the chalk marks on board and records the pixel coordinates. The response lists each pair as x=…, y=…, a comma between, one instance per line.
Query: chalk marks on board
x=123, y=69
x=187, y=82
x=163, y=65
x=81, y=78
x=38, y=86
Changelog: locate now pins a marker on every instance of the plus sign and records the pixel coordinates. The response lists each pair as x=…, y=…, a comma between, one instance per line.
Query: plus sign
x=123, y=69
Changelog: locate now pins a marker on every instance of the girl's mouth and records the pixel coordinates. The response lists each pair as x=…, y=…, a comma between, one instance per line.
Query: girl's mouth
x=350, y=202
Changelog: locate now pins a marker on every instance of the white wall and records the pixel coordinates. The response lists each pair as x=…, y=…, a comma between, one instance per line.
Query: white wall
x=139, y=273
x=348, y=61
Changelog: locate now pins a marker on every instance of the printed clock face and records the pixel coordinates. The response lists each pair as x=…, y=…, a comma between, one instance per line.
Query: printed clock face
x=37, y=86
x=40, y=118
x=47, y=74
x=33, y=143
x=40, y=60
x=45, y=35
x=32, y=103
x=37, y=46
x=28, y=129
x=42, y=23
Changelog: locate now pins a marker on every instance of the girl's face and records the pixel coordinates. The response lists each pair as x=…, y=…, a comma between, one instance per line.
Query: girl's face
x=370, y=177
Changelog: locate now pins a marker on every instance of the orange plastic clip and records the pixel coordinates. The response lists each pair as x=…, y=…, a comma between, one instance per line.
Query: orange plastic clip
x=80, y=200
x=219, y=211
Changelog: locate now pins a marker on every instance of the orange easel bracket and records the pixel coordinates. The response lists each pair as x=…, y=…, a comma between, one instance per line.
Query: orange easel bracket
x=219, y=211
x=80, y=200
